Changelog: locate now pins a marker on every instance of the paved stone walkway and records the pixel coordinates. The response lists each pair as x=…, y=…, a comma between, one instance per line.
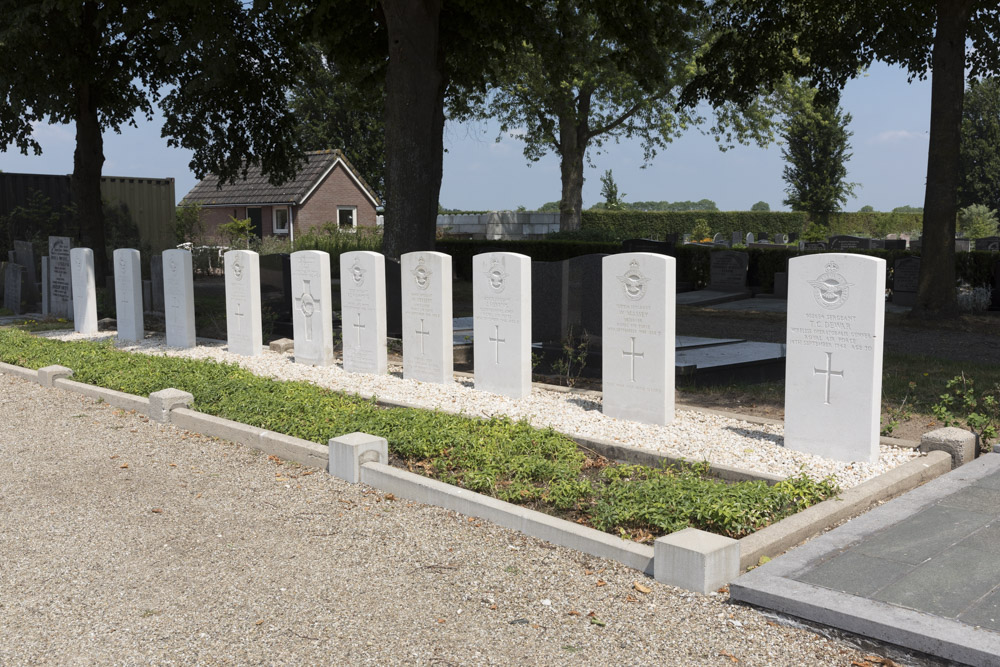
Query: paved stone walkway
x=922, y=571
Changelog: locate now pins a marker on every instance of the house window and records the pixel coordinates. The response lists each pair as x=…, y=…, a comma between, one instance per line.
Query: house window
x=280, y=220
x=347, y=217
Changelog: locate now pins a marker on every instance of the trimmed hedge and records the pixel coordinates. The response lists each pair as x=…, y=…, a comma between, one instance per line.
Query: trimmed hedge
x=463, y=250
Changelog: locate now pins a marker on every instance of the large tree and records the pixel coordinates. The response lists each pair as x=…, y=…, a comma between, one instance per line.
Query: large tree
x=757, y=42
x=100, y=64
x=981, y=144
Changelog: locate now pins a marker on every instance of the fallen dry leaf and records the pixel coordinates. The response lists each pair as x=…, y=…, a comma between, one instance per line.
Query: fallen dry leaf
x=124, y=465
x=493, y=606
x=390, y=496
x=259, y=622
x=877, y=660
x=173, y=465
x=601, y=582
x=732, y=657
x=630, y=598
x=642, y=589
x=114, y=457
x=440, y=620
x=157, y=510
x=573, y=612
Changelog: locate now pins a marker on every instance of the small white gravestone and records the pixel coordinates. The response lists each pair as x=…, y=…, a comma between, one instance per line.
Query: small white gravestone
x=243, y=321
x=84, y=290
x=312, y=317
x=128, y=295
x=501, y=326
x=178, y=297
x=833, y=364
x=638, y=336
x=362, y=311
x=427, y=317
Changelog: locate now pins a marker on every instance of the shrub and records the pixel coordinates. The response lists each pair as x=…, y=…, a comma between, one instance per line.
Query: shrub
x=977, y=221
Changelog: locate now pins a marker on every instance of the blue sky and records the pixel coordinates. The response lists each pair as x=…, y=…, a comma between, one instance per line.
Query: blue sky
x=890, y=122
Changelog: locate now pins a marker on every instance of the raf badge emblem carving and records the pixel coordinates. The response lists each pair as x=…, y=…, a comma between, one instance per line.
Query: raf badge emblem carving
x=831, y=290
x=496, y=275
x=634, y=281
x=238, y=270
x=358, y=273
x=421, y=275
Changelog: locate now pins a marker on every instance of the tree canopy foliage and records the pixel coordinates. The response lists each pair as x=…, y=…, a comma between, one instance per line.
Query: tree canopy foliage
x=981, y=144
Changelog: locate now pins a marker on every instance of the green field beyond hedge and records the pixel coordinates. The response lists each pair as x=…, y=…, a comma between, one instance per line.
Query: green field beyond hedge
x=512, y=461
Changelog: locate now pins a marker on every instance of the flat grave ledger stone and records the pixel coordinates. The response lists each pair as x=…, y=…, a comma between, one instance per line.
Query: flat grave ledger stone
x=833, y=368
x=60, y=282
x=312, y=319
x=728, y=271
x=156, y=278
x=243, y=318
x=638, y=337
x=362, y=311
x=128, y=294
x=905, y=278
x=24, y=254
x=989, y=244
x=13, y=273
x=84, y=290
x=426, y=306
x=178, y=297
x=850, y=243
x=501, y=306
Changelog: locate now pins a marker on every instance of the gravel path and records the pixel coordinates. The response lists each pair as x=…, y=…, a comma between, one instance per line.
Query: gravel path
x=130, y=542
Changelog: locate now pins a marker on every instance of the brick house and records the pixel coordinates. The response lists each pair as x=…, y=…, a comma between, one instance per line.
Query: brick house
x=328, y=189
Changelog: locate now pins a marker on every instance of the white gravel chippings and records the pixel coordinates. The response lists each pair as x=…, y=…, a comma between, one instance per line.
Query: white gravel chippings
x=129, y=542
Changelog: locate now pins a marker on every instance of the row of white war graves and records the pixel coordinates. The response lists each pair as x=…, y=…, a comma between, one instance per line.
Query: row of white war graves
x=834, y=334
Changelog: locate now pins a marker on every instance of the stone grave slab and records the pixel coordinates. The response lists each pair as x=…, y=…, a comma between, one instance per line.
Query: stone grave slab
x=60, y=281
x=501, y=297
x=362, y=311
x=13, y=279
x=905, y=279
x=156, y=280
x=727, y=280
x=426, y=305
x=178, y=297
x=833, y=376
x=312, y=319
x=243, y=317
x=84, y=290
x=128, y=295
x=24, y=254
x=638, y=337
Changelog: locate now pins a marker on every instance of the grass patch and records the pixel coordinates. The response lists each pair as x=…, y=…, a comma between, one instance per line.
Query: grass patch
x=42, y=325
x=509, y=460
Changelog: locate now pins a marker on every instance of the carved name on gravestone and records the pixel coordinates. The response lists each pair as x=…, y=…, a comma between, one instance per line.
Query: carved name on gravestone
x=243, y=319
x=638, y=337
x=178, y=297
x=989, y=243
x=728, y=271
x=60, y=282
x=362, y=311
x=501, y=298
x=128, y=295
x=312, y=312
x=24, y=254
x=850, y=243
x=426, y=302
x=12, y=287
x=814, y=245
x=905, y=279
x=156, y=282
x=84, y=290
x=833, y=367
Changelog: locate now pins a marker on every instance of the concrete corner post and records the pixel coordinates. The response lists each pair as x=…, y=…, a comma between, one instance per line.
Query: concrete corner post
x=696, y=560
x=163, y=401
x=281, y=345
x=349, y=452
x=48, y=375
x=957, y=442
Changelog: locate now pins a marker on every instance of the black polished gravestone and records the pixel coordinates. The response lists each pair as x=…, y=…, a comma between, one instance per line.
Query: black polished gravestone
x=763, y=236
x=565, y=298
x=728, y=271
x=156, y=282
x=850, y=243
x=813, y=246
x=393, y=298
x=276, y=291
x=989, y=244
x=894, y=244
x=649, y=245
x=905, y=278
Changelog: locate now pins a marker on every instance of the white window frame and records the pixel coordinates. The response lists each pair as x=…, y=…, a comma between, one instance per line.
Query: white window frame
x=274, y=220
x=354, y=216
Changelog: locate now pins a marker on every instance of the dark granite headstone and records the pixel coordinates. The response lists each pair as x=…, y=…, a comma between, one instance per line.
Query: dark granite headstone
x=877, y=244
x=12, y=287
x=549, y=301
x=962, y=245
x=894, y=244
x=649, y=245
x=793, y=237
x=60, y=283
x=905, y=278
x=156, y=278
x=916, y=244
x=763, y=236
x=850, y=243
x=728, y=271
x=276, y=290
x=393, y=299
x=995, y=297
x=24, y=254
x=585, y=278
x=990, y=244
x=814, y=246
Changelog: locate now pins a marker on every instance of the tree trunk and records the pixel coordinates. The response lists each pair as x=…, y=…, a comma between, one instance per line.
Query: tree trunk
x=936, y=288
x=414, y=125
x=572, y=149
x=88, y=158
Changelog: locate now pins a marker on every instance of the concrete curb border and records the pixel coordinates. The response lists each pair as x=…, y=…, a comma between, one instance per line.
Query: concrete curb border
x=769, y=541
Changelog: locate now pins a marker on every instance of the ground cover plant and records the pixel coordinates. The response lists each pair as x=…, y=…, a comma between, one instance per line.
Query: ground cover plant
x=512, y=461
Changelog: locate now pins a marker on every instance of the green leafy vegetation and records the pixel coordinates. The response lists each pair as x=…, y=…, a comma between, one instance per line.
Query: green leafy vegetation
x=977, y=221
x=509, y=460
x=978, y=410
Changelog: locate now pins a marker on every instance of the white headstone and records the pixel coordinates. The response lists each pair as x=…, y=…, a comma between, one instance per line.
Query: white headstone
x=60, y=283
x=501, y=326
x=178, y=298
x=128, y=294
x=428, y=336
x=312, y=315
x=243, y=322
x=833, y=364
x=362, y=311
x=638, y=336
x=84, y=290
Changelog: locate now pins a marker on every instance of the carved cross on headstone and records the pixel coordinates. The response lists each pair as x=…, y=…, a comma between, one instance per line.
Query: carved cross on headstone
x=239, y=307
x=423, y=334
x=359, y=327
x=496, y=340
x=632, y=354
x=828, y=373
x=308, y=306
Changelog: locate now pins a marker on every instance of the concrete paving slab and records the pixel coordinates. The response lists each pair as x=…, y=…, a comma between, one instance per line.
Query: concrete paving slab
x=978, y=499
x=985, y=613
x=856, y=573
x=924, y=535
